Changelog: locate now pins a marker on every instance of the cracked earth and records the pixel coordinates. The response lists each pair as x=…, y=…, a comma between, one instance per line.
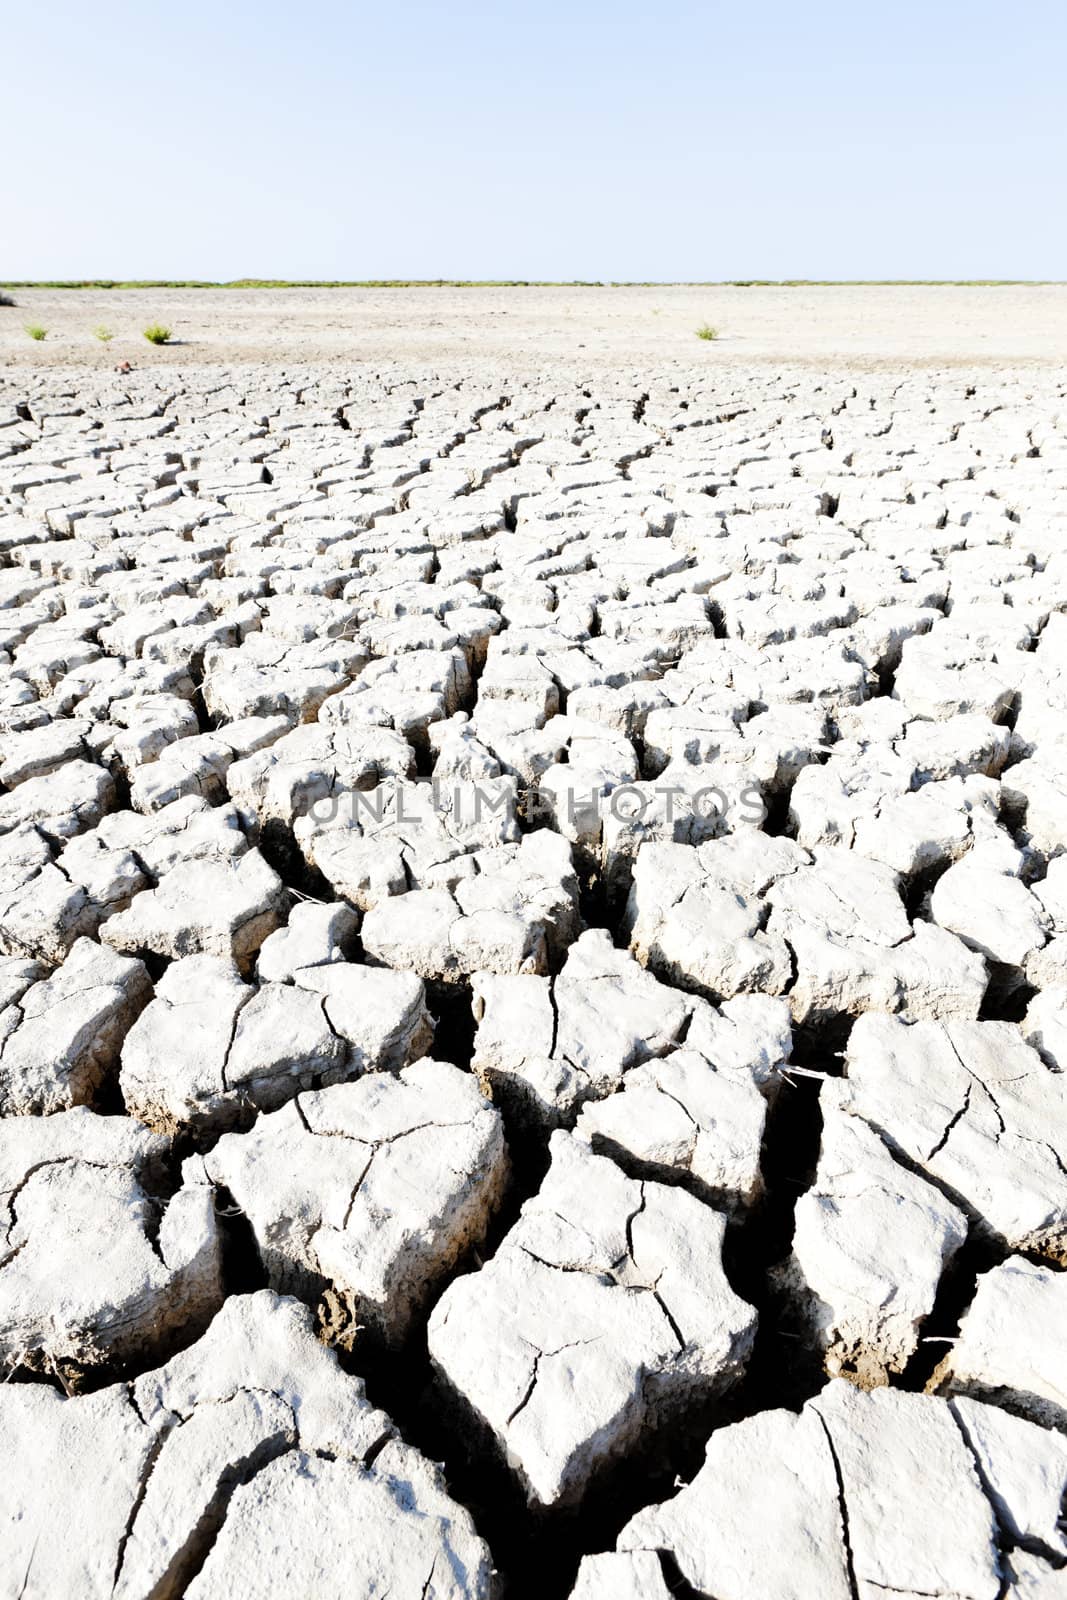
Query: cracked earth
x=533, y=983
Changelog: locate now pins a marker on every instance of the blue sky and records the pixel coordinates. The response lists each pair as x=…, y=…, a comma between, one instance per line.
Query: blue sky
x=552, y=140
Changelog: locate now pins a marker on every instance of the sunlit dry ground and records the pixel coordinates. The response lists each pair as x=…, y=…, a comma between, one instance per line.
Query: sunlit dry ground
x=590, y=325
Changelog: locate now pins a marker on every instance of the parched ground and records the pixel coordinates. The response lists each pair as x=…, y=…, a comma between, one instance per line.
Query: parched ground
x=533, y=951
x=587, y=326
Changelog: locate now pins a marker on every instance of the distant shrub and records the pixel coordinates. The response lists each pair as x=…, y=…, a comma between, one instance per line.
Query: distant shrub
x=707, y=332
x=157, y=334
x=34, y=331
x=105, y=335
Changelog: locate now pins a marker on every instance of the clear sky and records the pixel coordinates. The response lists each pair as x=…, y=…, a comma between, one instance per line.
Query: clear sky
x=833, y=139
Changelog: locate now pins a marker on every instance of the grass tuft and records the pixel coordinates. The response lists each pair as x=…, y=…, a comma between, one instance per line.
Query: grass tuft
x=157, y=334
x=34, y=331
x=105, y=335
x=706, y=331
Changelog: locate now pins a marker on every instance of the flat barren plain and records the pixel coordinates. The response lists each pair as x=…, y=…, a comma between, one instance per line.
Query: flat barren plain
x=533, y=944
x=851, y=323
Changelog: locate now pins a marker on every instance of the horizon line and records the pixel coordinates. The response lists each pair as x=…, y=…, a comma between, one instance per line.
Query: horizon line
x=527, y=283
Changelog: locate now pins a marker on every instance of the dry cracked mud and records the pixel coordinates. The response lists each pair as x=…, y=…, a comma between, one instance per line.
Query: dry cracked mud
x=533, y=983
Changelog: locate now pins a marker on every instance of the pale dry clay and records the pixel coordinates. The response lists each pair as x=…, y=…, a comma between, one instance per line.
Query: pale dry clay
x=560, y=879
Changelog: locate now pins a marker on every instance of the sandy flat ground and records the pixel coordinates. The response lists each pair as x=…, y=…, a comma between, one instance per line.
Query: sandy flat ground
x=863, y=325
